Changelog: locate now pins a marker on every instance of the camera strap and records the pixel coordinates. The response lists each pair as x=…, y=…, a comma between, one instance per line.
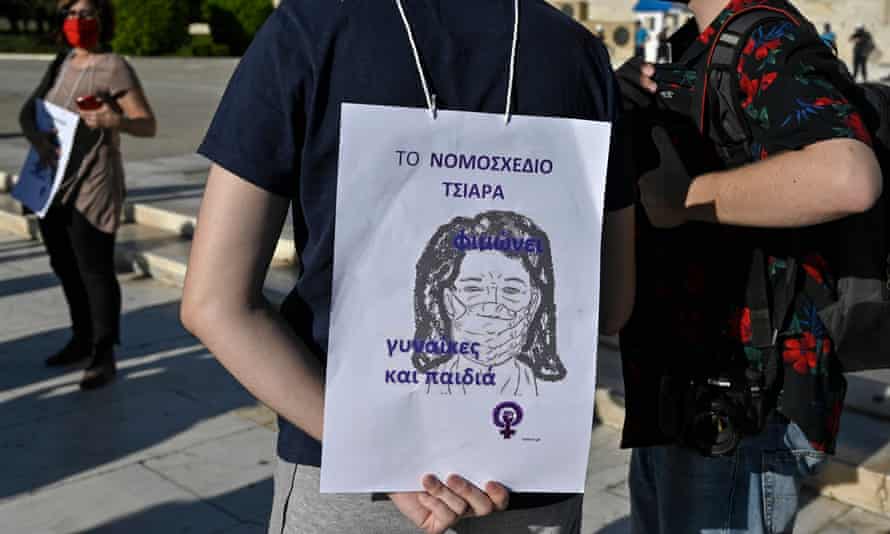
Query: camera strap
x=767, y=320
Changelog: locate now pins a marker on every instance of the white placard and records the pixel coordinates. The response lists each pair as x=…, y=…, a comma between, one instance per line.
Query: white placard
x=38, y=184
x=464, y=247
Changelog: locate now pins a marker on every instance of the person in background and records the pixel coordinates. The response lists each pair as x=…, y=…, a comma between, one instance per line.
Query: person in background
x=664, y=47
x=863, y=46
x=829, y=37
x=80, y=227
x=713, y=238
x=641, y=36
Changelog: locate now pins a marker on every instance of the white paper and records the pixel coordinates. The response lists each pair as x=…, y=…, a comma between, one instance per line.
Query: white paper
x=393, y=282
x=38, y=184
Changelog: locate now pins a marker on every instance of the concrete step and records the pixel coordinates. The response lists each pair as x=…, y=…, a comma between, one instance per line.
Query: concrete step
x=163, y=193
x=180, y=215
x=175, y=216
x=857, y=475
x=147, y=250
x=151, y=252
x=164, y=256
x=13, y=219
x=7, y=180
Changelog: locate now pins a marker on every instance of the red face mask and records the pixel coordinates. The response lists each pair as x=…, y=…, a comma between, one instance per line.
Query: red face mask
x=81, y=33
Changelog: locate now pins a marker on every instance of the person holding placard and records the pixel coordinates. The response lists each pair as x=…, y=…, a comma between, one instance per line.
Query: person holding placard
x=274, y=143
x=80, y=226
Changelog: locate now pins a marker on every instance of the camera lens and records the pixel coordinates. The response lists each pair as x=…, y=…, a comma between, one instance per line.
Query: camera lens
x=715, y=434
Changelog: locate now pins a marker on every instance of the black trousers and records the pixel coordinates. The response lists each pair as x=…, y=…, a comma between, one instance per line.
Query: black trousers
x=83, y=259
x=860, y=63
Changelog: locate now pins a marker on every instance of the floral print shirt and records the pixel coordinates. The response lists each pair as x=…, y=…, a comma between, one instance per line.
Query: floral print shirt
x=691, y=292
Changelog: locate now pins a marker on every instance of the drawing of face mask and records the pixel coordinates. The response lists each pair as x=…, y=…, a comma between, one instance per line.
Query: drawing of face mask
x=499, y=331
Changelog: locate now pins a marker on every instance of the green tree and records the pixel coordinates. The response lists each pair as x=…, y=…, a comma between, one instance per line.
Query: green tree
x=197, y=10
x=44, y=12
x=20, y=13
x=235, y=22
x=150, y=27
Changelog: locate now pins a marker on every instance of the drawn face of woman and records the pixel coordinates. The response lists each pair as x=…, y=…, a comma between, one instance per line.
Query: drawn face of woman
x=492, y=304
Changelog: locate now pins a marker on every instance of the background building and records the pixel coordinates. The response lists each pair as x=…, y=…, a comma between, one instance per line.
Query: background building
x=845, y=16
x=617, y=17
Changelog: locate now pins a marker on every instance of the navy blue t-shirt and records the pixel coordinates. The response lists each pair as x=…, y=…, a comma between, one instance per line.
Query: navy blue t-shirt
x=278, y=125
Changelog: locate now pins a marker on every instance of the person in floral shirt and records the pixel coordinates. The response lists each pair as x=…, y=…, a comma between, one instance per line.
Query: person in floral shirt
x=810, y=162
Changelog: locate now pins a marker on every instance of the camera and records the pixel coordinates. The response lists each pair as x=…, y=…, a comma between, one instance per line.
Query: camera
x=711, y=414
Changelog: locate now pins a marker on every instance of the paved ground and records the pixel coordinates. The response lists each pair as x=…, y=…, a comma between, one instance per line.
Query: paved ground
x=175, y=445
x=152, y=453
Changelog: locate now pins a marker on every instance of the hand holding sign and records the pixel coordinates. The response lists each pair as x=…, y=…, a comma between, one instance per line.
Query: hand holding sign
x=47, y=146
x=440, y=506
x=47, y=161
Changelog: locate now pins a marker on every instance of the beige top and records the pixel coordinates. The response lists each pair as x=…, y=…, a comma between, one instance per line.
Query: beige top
x=96, y=186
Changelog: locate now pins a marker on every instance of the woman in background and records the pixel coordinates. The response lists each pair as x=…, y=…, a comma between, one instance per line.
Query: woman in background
x=80, y=227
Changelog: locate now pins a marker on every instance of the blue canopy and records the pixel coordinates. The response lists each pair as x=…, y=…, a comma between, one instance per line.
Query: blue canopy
x=653, y=5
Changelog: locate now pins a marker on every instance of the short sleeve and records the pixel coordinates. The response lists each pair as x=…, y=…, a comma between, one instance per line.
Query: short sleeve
x=257, y=131
x=791, y=93
x=620, y=192
x=123, y=77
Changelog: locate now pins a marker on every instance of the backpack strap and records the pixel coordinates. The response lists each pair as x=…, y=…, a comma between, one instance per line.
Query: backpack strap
x=729, y=42
x=733, y=139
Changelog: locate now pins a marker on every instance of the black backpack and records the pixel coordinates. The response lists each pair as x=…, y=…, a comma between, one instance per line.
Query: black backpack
x=856, y=311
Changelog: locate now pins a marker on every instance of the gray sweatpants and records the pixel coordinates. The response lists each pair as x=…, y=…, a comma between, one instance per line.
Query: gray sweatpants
x=299, y=508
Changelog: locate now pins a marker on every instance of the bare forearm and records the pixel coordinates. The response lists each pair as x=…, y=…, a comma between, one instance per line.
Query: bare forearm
x=262, y=353
x=222, y=303
x=822, y=183
x=139, y=127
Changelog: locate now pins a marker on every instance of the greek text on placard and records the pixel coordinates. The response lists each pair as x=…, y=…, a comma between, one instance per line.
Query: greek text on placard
x=476, y=191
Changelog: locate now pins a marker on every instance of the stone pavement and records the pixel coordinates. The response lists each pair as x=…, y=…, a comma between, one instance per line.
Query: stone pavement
x=162, y=459
x=175, y=444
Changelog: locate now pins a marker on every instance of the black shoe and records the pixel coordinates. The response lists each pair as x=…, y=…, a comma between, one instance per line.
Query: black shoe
x=74, y=352
x=101, y=372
